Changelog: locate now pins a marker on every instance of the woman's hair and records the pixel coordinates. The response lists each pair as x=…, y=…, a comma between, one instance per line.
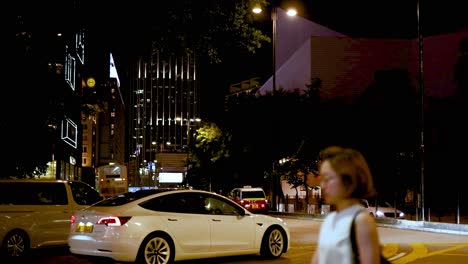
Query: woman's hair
x=351, y=166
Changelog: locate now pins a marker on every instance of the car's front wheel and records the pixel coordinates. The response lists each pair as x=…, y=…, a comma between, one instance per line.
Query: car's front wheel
x=273, y=243
x=156, y=249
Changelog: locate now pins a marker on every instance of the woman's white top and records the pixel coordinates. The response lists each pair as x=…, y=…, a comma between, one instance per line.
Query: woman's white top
x=334, y=244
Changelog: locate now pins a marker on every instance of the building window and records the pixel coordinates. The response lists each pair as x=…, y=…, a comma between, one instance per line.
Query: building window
x=69, y=132
x=70, y=68
x=79, y=46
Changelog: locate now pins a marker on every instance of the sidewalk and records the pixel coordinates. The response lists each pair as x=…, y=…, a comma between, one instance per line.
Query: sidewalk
x=437, y=227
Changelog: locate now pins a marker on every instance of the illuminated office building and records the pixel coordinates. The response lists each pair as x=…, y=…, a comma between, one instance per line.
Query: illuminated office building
x=163, y=116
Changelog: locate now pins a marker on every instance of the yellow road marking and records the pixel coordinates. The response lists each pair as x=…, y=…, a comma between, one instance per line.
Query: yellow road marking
x=456, y=254
x=447, y=250
x=420, y=251
x=390, y=250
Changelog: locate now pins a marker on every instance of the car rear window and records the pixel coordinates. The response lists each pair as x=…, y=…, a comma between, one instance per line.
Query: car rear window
x=253, y=194
x=128, y=197
x=33, y=193
x=84, y=194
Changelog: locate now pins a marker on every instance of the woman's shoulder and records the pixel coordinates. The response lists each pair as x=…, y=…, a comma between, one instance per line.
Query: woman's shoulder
x=364, y=218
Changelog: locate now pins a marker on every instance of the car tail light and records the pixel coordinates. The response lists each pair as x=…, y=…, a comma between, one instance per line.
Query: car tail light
x=72, y=219
x=113, y=220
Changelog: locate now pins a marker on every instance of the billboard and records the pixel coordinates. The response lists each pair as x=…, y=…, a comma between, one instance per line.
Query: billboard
x=171, y=177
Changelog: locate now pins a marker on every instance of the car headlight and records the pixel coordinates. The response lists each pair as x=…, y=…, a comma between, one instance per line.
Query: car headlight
x=379, y=214
x=401, y=214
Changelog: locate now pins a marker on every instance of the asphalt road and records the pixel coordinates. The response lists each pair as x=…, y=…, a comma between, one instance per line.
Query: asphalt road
x=400, y=245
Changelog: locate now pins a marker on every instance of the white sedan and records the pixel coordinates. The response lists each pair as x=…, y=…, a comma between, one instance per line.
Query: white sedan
x=162, y=226
x=383, y=210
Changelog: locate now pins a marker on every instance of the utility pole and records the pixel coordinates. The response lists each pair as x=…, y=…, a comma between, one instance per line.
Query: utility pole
x=421, y=90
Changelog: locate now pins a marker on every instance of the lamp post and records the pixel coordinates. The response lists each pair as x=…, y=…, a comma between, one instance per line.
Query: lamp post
x=274, y=19
x=421, y=86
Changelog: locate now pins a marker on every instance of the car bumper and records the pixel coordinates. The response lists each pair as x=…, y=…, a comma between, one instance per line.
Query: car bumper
x=118, y=249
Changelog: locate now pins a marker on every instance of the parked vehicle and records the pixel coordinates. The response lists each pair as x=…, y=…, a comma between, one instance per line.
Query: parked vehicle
x=251, y=198
x=112, y=179
x=36, y=213
x=383, y=209
x=166, y=225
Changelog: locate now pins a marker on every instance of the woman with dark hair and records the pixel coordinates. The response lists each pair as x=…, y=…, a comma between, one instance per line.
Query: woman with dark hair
x=345, y=179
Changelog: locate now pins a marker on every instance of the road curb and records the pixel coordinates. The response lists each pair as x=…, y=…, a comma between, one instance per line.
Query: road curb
x=437, y=227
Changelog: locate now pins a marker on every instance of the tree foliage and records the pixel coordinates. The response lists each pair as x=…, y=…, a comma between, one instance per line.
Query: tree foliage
x=298, y=124
x=210, y=149
x=211, y=29
x=211, y=144
x=26, y=107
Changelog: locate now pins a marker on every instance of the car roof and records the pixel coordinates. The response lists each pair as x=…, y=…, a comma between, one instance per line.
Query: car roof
x=33, y=180
x=130, y=197
x=249, y=189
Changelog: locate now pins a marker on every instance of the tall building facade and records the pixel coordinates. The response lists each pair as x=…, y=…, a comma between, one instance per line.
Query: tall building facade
x=103, y=118
x=48, y=57
x=163, y=117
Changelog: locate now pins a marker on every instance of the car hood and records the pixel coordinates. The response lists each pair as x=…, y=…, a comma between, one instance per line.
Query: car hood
x=269, y=219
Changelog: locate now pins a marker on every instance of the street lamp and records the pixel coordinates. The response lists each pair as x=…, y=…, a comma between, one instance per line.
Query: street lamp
x=274, y=19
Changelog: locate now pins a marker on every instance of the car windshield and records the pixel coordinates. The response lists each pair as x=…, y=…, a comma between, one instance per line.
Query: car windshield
x=128, y=197
x=385, y=204
x=253, y=194
x=364, y=203
x=381, y=204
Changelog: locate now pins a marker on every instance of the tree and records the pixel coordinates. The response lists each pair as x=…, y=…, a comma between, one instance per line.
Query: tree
x=209, y=29
x=220, y=34
x=210, y=148
x=26, y=108
x=296, y=169
x=389, y=140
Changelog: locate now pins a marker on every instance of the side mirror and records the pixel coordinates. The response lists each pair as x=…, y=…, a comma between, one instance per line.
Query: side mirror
x=240, y=212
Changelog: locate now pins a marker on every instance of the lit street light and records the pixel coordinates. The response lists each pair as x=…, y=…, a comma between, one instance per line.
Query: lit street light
x=274, y=18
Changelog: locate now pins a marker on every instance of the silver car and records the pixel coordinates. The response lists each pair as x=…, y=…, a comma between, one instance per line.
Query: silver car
x=383, y=209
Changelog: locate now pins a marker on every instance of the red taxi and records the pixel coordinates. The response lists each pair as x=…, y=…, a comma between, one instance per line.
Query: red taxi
x=251, y=198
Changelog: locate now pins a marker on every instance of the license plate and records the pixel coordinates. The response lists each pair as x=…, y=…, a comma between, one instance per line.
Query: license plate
x=254, y=206
x=84, y=228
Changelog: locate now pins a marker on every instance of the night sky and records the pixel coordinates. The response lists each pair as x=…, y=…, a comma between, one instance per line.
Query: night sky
x=119, y=21
x=386, y=18
x=363, y=18
x=123, y=25
x=395, y=18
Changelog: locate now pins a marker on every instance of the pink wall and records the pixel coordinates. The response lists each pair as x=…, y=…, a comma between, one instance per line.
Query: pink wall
x=439, y=58
x=292, y=32
x=346, y=65
x=292, y=50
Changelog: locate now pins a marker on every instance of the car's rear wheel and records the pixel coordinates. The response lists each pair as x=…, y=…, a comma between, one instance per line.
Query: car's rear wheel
x=156, y=249
x=15, y=244
x=273, y=243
